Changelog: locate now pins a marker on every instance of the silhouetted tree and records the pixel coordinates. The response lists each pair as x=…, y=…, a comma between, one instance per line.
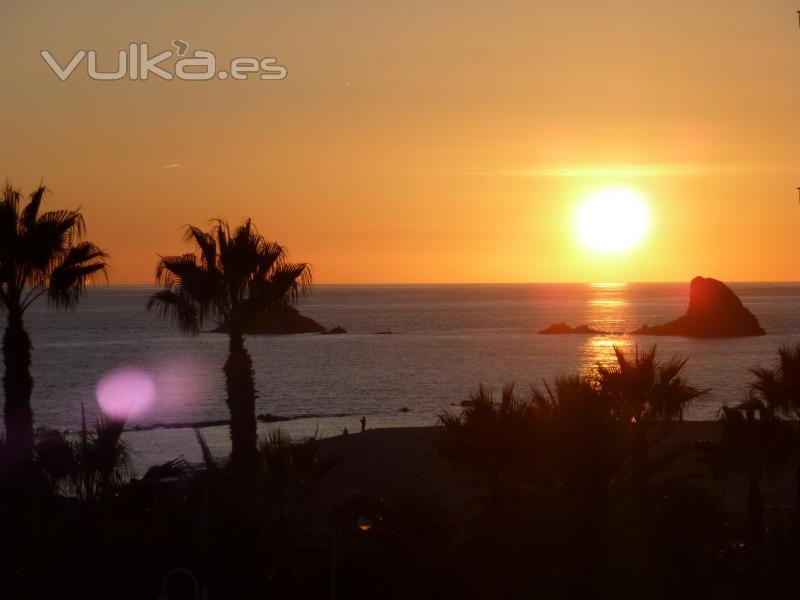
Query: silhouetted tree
x=779, y=389
x=645, y=392
x=488, y=438
x=232, y=279
x=292, y=471
x=102, y=459
x=594, y=437
x=753, y=442
x=580, y=451
x=91, y=467
x=41, y=254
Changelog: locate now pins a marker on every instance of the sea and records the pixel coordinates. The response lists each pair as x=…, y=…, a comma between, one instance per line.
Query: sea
x=445, y=340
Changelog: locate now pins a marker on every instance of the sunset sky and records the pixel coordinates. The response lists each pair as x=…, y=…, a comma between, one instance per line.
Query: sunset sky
x=423, y=141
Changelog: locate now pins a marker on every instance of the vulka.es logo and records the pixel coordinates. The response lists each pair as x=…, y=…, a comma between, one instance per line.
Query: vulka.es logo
x=136, y=63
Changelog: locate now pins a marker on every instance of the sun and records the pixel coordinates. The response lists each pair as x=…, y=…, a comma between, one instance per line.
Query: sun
x=613, y=220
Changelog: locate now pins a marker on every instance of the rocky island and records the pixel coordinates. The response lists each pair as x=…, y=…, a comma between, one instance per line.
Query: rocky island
x=563, y=328
x=289, y=322
x=714, y=311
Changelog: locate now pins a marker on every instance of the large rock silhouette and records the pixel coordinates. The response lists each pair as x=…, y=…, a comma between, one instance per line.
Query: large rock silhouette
x=288, y=321
x=714, y=311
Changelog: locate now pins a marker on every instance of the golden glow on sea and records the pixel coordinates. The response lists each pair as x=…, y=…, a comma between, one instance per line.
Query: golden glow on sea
x=609, y=311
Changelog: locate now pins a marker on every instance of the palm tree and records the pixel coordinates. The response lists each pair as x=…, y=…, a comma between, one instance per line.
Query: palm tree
x=41, y=254
x=292, y=471
x=593, y=451
x=753, y=442
x=232, y=279
x=92, y=467
x=488, y=438
x=102, y=458
x=580, y=441
x=779, y=389
x=643, y=392
x=580, y=452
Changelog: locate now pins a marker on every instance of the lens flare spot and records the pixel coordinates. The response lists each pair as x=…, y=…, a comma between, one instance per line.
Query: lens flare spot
x=126, y=392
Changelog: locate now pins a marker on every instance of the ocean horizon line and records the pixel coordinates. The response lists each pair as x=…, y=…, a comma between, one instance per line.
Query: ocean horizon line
x=488, y=283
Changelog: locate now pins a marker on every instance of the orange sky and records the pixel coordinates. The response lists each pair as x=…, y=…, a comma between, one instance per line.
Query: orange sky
x=423, y=141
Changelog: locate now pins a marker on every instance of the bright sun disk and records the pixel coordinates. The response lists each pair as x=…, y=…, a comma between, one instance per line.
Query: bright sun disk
x=613, y=220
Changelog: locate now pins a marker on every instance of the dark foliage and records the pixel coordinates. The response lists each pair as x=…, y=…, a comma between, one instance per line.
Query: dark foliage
x=41, y=254
x=574, y=490
x=231, y=281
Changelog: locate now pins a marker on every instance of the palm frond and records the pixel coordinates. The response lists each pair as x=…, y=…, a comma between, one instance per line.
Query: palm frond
x=641, y=387
x=79, y=268
x=66, y=225
x=9, y=221
x=270, y=255
x=31, y=211
x=11, y=197
x=41, y=247
x=55, y=455
x=277, y=441
x=222, y=232
x=112, y=451
x=309, y=466
x=289, y=283
x=208, y=458
x=779, y=387
x=449, y=419
x=186, y=277
x=176, y=307
x=205, y=243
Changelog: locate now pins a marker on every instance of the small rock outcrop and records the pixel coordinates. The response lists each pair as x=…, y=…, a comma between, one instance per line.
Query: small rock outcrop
x=714, y=311
x=563, y=328
x=335, y=331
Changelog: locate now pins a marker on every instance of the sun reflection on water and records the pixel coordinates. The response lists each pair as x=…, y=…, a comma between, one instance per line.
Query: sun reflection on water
x=608, y=285
x=609, y=310
x=599, y=350
x=608, y=307
x=607, y=303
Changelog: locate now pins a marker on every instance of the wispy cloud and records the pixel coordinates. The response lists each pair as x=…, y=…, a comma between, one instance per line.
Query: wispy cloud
x=615, y=171
x=172, y=166
x=597, y=171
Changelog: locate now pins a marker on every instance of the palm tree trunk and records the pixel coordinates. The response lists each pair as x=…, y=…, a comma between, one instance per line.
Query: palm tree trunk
x=755, y=501
x=797, y=489
x=640, y=465
x=587, y=541
x=18, y=385
x=755, y=509
x=494, y=503
x=240, y=384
